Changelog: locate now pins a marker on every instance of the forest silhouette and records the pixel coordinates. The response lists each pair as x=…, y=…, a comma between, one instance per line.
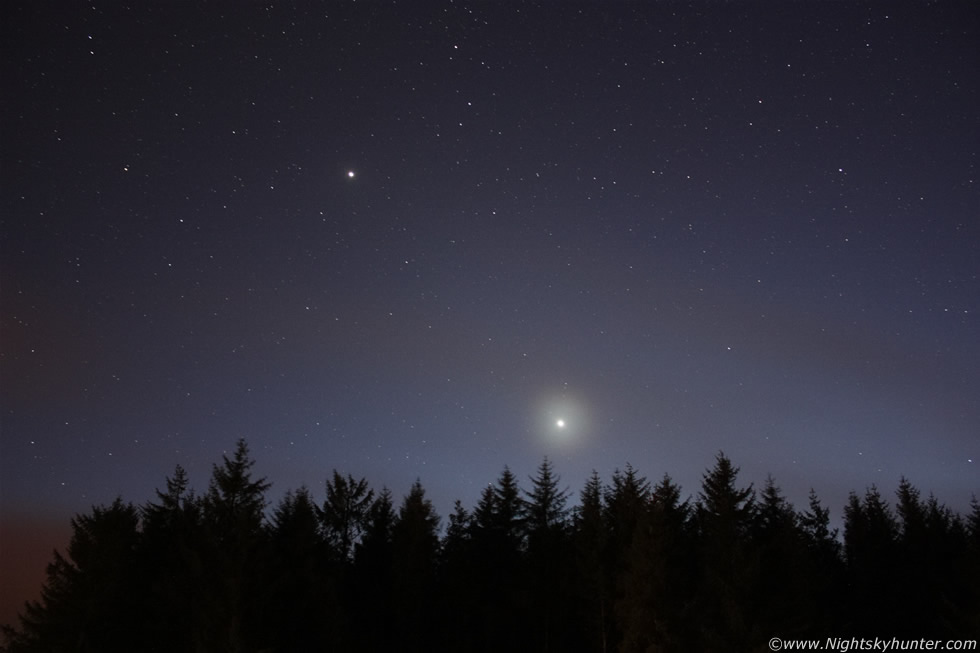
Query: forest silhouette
x=630, y=567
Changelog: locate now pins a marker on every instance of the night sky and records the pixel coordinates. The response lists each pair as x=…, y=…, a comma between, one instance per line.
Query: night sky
x=403, y=240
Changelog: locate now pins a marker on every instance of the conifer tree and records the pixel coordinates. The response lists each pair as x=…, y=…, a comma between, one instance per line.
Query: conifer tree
x=173, y=505
x=345, y=512
x=626, y=501
x=725, y=514
x=815, y=522
x=458, y=530
x=90, y=600
x=415, y=547
x=824, y=565
x=911, y=513
x=545, y=503
x=508, y=519
x=932, y=550
x=235, y=502
x=657, y=594
x=591, y=537
x=624, y=509
x=498, y=538
x=870, y=548
x=782, y=590
x=172, y=564
x=370, y=587
x=462, y=596
x=549, y=557
x=973, y=522
x=913, y=553
x=374, y=545
x=233, y=514
x=485, y=512
x=300, y=589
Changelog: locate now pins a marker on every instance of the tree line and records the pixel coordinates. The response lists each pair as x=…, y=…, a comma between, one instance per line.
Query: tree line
x=631, y=567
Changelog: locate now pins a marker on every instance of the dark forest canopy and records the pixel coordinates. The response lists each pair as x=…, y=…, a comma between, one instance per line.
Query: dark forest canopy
x=631, y=566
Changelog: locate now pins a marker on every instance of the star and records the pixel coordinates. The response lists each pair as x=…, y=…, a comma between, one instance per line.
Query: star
x=560, y=423
x=350, y=174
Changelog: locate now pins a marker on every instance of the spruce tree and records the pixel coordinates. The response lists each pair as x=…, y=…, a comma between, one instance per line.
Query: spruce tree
x=871, y=553
x=725, y=514
x=824, y=566
x=170, y=555
x=233, y=515
x=93, y=598
x=369, y=588
x=545, y=511
x=656, y=598
x=498, y=538
x=625, y=506
x=549, y=558
x=590, y=538
x=782, y=590
x=457, y=532
x=462, y=597
x=345, y=513
x=415, y=549
x=300, y=589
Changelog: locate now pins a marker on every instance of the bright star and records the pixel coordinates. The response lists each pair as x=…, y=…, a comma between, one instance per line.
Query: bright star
x=560, y=423
x=350, y=174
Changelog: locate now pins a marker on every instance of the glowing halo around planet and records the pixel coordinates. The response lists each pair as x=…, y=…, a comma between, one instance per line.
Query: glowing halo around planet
x=561, y=420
